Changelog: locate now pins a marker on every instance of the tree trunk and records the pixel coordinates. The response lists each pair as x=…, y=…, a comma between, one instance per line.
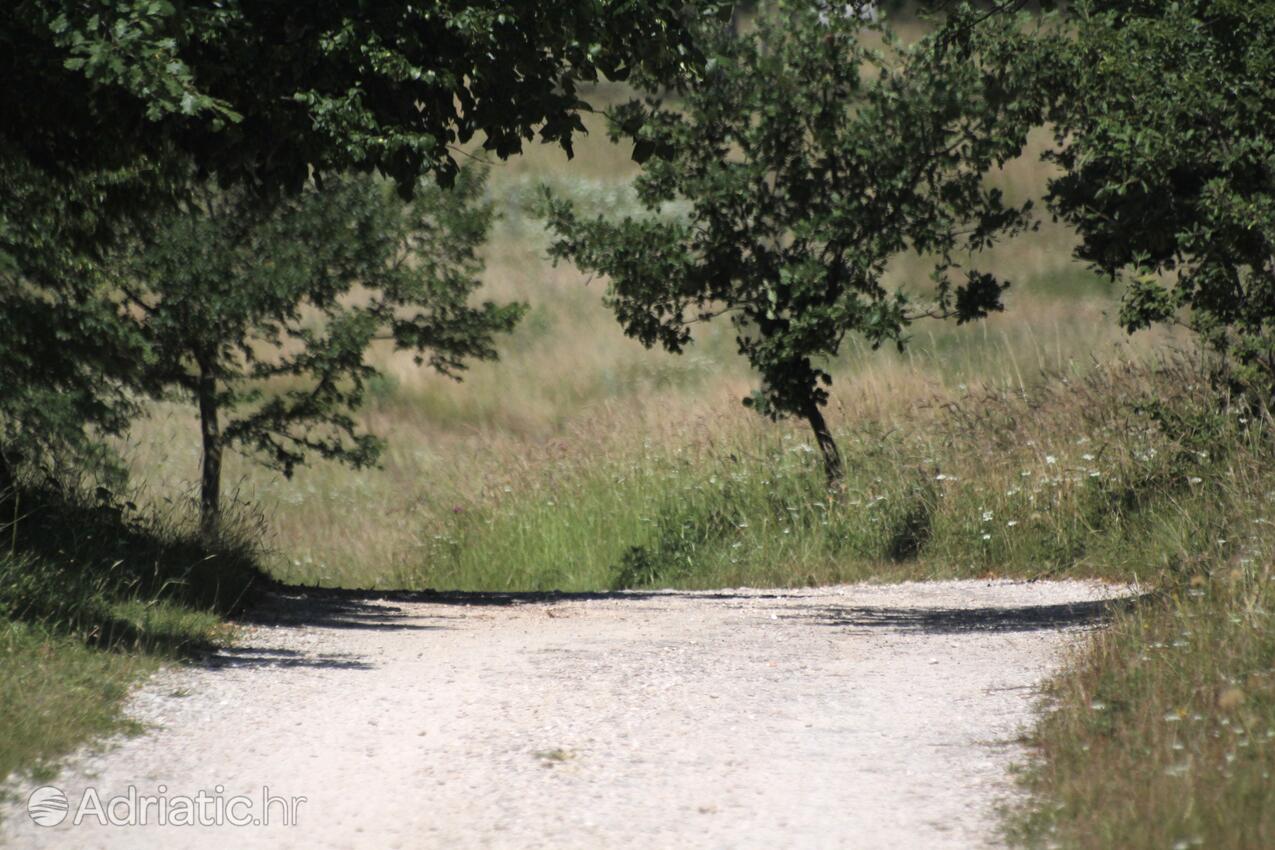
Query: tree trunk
x=9, y=492
x=6, y=477
x=833, y=468
x=210, y=431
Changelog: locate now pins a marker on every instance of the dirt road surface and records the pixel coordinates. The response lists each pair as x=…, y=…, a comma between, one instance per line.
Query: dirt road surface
x=841, y=717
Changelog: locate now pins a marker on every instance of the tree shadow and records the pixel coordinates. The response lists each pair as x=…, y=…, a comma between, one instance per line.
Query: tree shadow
x=285, y=607
x=327, y=610
x=331, y=608
x=231, y=657
x=294, y=597
x=941, y=621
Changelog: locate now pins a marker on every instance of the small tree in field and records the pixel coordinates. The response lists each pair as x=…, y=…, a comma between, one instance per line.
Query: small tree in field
x=263, y=312
x=805, y=162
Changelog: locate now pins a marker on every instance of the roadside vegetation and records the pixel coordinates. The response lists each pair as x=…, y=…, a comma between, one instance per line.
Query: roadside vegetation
x=93, y=596
x=1039, y=442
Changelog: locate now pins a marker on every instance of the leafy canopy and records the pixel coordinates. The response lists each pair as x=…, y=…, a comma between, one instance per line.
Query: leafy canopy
x=1163, y=114
x=268, y=90
x=66, y=358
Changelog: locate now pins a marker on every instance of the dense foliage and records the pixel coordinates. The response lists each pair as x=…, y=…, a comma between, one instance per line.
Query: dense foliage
x=67, y=360
x=269, y=90
x=1164, y=120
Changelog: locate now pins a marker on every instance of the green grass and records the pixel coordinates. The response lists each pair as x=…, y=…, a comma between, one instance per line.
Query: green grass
x=1064, y=477
x=1163, y=735
x=749, y=512
x=56, y=692
x=93, y=597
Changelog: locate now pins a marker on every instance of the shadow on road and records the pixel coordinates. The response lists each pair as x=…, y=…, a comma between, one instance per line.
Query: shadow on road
x=940, y=621
x=322, y=609
x=375, y=610
x=337, y=608
x=327, y=609
x=259, y=656
x=490, y=598
x=372, y=609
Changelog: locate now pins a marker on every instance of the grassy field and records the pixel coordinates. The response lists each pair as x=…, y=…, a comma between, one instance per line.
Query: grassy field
x=1042, y=442
x=518, y=477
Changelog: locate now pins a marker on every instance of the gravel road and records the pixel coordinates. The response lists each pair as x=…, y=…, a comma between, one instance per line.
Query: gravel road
x=865, y=716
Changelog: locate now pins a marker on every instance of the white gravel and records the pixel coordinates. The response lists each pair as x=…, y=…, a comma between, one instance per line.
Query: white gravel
x=866, y=716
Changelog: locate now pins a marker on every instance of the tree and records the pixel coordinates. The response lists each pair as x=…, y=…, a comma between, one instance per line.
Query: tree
x=107, y=102
x=263, y=313
x=1163, y=116
x=805, y=161
x=267, y=91
x=67, y=361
